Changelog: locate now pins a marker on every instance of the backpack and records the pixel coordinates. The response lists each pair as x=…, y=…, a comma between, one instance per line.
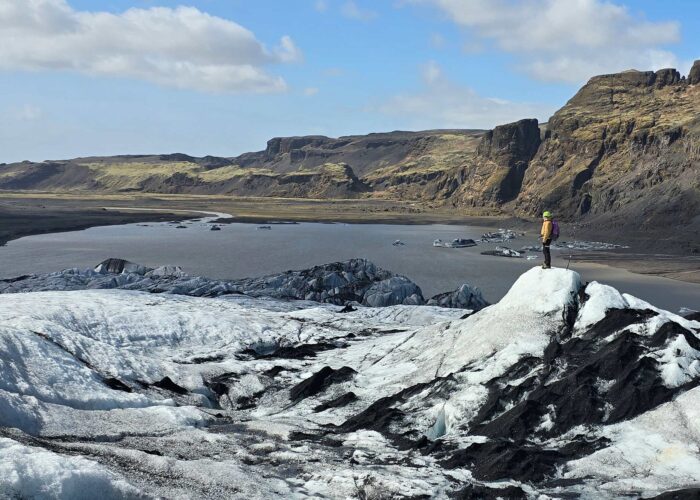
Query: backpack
x=555, y=230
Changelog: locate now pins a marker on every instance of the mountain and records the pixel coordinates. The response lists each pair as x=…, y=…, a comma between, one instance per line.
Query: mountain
x=179, y=173
x=626, y=145
x=310, y=167
x=560, y=390
x=625, y=150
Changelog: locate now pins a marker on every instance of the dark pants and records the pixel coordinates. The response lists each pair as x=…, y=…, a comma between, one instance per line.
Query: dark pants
x=545, y=251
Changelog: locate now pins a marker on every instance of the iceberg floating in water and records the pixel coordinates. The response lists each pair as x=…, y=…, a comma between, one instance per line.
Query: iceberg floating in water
x=502, y=252
x=456, y=243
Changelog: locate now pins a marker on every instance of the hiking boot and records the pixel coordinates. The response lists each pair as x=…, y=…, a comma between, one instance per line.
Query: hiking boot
x=545, y=266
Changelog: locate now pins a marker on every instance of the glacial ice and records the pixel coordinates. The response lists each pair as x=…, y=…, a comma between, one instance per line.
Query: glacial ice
x=128, y=393
x=30, y=472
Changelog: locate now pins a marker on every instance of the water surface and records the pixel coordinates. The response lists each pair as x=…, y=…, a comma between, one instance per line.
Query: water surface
x=241, y=250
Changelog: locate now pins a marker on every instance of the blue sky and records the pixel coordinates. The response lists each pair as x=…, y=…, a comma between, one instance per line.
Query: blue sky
x=88, y=77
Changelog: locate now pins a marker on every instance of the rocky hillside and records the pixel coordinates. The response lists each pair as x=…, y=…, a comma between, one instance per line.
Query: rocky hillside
x=180, y=174
x=494, y=175
x=560, y=390
x=625, y=150
x=626, y=145
x=308, y=167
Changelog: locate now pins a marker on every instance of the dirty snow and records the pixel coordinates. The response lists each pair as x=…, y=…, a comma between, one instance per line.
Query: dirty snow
x=120, y=392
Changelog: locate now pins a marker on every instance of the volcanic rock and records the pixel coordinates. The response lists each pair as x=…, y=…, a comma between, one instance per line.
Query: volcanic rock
x=694, y=75
x=668, y=76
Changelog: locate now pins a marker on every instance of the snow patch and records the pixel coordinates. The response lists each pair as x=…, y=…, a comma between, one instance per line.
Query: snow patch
x=655, y=452
x=601, y=298
x=28, y=472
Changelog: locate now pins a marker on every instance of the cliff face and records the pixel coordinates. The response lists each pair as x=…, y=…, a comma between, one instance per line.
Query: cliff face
x=694, y=75
x=415, y=165
x=625, y=146
x=495, y=174
x=364, y=153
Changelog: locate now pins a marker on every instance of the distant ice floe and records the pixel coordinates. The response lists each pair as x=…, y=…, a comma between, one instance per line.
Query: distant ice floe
x=500, y=251
x=500, y=236
x=586, y=245
x=455, y=243
x=685, y=311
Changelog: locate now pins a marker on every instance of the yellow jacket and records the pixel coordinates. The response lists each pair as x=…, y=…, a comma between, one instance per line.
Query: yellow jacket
x=546, y=231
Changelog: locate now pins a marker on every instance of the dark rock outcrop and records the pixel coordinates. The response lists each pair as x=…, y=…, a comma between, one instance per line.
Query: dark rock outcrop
x=340, y=401
x=320, y=381
x=685, y=494
x=667, y=76
x=694, y=75
x=496, y=174
x=481, y=492
x=364, y=153
x=287, y=145
x=167, y=384
x=621, y=153
x=512, y=144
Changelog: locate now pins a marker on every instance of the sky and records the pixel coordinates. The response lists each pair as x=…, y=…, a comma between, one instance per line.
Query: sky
x=221, y=77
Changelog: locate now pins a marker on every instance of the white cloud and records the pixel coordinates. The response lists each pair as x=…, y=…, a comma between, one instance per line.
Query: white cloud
x=334, y=72
x=472, y=47
x=321, y=5
x=432, y=73
x=288, y=52
x=181, y=47
x=29, y=112
x=567, y=40
x=445, y=104
x=353, y=11
x=310, y=91
x=437, y=41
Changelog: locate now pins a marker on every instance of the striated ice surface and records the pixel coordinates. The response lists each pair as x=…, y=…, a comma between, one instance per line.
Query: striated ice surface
x=124, y=393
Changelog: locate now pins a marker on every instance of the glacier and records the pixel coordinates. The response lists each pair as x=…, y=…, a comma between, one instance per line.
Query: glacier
x=560, y=389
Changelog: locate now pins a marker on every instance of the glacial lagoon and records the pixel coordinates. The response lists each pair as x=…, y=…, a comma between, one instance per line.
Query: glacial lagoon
x=240, y=250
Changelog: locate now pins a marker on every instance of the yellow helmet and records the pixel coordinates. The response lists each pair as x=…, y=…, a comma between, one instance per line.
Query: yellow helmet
x=547, y=214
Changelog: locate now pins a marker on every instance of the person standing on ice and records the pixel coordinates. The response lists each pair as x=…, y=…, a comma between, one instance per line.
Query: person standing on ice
x=546, y=235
